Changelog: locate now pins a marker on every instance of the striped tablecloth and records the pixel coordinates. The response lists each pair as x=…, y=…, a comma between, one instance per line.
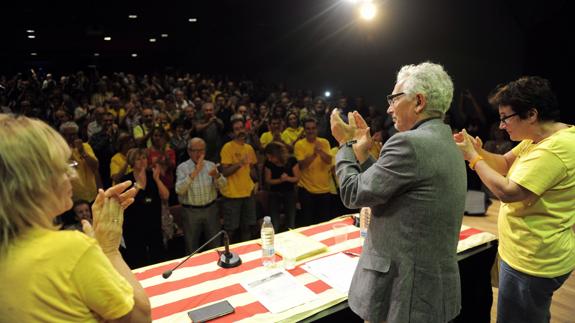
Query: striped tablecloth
x=200, y=281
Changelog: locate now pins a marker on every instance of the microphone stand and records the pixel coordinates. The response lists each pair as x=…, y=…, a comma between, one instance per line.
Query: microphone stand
x=227, y=259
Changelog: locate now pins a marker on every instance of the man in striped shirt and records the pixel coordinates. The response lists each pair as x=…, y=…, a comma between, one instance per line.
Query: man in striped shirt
x=196, y=186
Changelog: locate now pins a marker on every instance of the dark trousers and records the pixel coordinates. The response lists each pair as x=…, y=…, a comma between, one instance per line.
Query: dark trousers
x=240, y=218
x=278, y=201
x=143, y=248
x=315, y=208
x=525, y=298
x=197, y=221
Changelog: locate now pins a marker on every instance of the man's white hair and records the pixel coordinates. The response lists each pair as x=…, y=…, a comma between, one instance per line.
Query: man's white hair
x=69, y=124
x=432, y=81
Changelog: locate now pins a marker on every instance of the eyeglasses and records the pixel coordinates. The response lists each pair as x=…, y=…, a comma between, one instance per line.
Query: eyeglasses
x=71, y=169
x=392, y=98
x=504, y=119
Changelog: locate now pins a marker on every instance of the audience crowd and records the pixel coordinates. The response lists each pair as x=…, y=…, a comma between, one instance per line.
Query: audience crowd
x=211, y=152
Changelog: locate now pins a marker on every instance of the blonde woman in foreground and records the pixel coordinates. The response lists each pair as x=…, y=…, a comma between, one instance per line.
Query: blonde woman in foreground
x=49, y=275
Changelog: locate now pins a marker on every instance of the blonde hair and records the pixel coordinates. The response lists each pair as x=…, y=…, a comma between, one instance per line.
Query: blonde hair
x=32, y=156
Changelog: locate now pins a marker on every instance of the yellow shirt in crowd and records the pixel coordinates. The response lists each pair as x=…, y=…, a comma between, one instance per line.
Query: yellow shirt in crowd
x=267, y=137
x=60, y=276
x=291, y=134
x=240, y=183
x=316, y=177
x=536, y=237
x=117, y=163
x=84, y=185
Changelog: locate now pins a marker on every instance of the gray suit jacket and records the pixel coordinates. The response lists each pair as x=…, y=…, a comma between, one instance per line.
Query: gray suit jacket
x=408, y=269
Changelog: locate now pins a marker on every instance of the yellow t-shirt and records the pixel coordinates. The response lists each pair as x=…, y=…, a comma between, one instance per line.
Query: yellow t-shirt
x=121, y=113
x=291, y=134
x=240, y=183
x=316, y=177
x=60, y=276
x=117, y=163
x=267, y=137
x=84, y=185
x=536, y=237
x=141, y=130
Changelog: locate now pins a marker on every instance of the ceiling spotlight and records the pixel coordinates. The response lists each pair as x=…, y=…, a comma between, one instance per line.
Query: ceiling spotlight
x=327, y=94
x=107, y=38
x=367, y=11
x=164, y=35
x=33, y=54
x=30, y=31
x=134, y=55
x=96, y=54
x=31, y=36
x=193, y=19
x=132, y=16
x=152, y=40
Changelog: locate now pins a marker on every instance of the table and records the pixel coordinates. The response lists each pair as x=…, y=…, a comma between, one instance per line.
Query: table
x=200, y=281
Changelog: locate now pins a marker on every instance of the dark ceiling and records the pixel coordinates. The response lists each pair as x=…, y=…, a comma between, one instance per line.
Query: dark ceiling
x=317, y=43
x=72, y=34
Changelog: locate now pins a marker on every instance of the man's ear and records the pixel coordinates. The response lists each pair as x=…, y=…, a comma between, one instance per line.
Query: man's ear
x=533, y=114
x=420, y=103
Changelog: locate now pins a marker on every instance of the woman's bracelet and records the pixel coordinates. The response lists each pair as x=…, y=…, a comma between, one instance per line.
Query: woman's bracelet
x=474, y=161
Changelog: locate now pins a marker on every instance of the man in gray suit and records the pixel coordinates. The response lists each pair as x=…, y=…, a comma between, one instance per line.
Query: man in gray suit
x=416, y=189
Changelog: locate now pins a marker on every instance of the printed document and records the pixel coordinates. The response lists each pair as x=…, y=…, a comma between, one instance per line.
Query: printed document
x=278, y=291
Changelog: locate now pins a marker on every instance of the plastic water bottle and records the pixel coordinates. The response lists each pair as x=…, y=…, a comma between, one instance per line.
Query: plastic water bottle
x=268, y=250
x=364, y=217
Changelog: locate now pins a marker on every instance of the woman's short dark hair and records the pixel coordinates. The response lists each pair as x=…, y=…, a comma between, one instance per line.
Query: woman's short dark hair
x=526, y=93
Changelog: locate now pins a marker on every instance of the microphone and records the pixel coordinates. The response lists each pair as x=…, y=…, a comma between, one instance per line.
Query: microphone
x=227, y=259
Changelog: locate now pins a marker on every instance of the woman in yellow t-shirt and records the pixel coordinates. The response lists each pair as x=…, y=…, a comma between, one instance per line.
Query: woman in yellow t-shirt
x=293, y=131
x=49, y=275
x=535, y=182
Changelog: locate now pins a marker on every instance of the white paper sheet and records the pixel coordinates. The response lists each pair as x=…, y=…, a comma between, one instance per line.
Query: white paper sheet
x=278, y=291
x=335, y=270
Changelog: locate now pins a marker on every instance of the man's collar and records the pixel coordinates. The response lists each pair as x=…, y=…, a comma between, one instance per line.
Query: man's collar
x=420, y=122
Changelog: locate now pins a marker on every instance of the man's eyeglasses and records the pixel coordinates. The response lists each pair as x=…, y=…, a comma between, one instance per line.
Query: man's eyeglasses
x=392, y=98
x=504, y=119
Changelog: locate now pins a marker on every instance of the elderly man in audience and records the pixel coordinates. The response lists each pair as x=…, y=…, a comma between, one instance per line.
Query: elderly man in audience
x=96, y=125
x=197, y=183
x=87, y=181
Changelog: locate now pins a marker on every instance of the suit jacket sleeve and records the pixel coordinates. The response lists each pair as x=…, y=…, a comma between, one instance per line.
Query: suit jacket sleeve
x=393, y=173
